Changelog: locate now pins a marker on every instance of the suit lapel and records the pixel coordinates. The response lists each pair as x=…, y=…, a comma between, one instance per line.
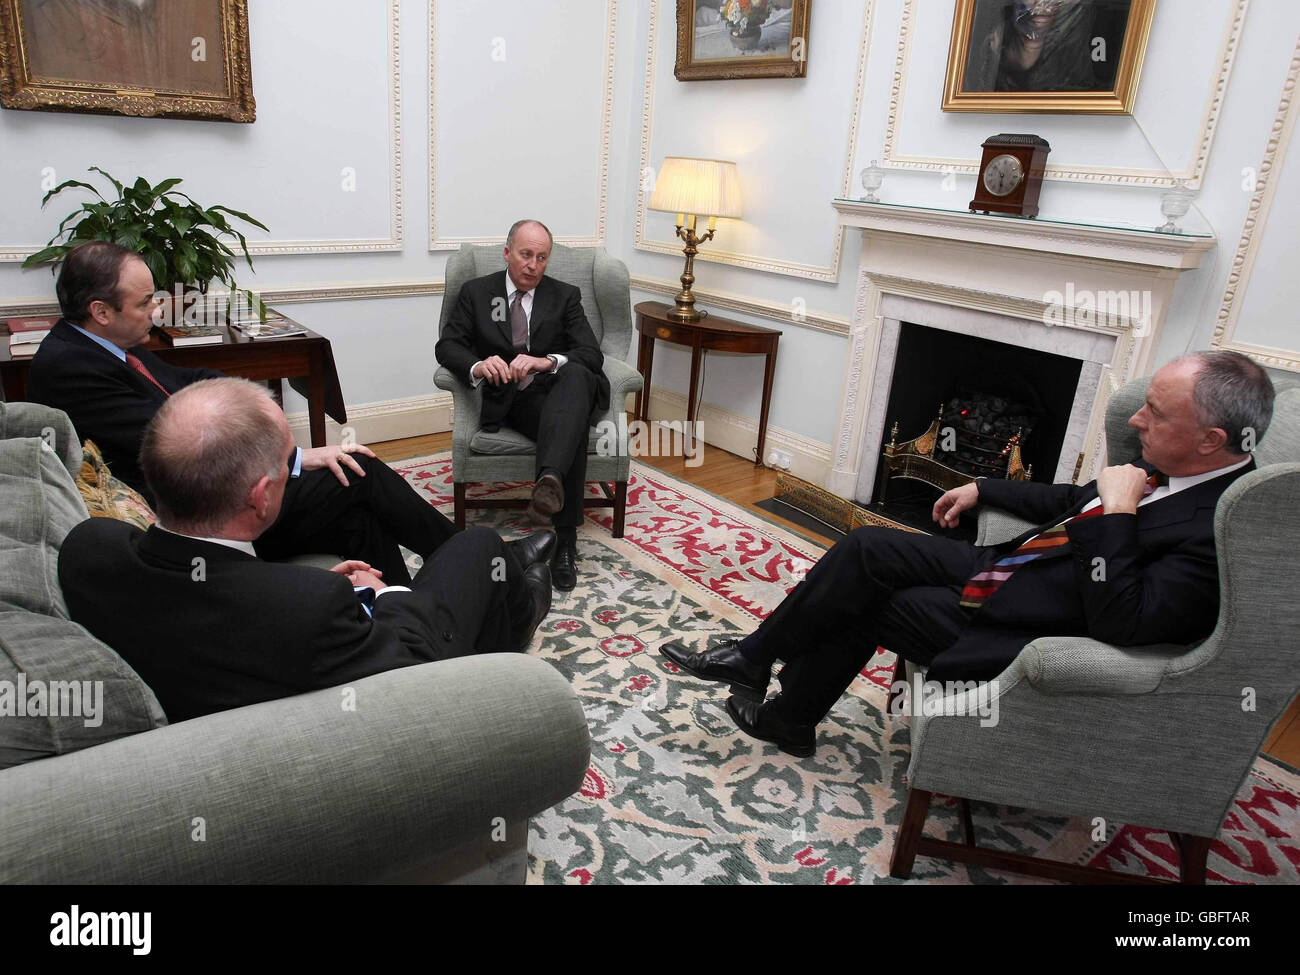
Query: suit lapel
x=541, y=319
x=64, y=330
x=501, y=292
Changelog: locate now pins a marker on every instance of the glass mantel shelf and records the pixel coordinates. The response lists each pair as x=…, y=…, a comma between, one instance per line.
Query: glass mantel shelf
x=1192, y=226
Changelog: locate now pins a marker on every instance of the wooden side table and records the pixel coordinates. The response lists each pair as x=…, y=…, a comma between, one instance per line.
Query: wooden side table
x=709, y=333
x=307, y=356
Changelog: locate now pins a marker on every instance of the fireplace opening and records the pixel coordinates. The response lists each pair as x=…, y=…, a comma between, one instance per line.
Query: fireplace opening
x=976, y=407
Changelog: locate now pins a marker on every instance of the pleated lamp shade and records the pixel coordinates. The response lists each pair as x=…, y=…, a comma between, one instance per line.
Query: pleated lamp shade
x=704, y=187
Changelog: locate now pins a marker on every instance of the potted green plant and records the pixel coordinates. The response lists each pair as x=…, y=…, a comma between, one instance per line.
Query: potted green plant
x=180, y=241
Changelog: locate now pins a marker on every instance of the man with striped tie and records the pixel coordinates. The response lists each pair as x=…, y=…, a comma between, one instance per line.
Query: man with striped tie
x=1128, y=559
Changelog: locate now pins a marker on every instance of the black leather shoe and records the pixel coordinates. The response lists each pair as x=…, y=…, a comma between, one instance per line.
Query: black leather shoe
x=532, y=548
x=547, y=499
x=537, y=581
x=760, y=721
x=724, y=662
x=564, y=565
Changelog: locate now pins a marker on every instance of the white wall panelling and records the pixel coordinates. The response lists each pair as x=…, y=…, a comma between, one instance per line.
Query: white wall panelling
x=1189, y=62
x=778, y=131
x=514, y=90
x=1262, y=322
x=322, y=107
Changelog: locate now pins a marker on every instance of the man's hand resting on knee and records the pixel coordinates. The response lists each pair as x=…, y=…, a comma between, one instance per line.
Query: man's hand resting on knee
x=948, y=509
x=333, y=457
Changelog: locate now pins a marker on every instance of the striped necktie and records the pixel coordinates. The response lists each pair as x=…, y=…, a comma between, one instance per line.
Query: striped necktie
x=139, y=367
x=985, y=584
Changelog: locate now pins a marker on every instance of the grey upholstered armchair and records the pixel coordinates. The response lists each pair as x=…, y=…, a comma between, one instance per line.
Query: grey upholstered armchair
x=1160, y=736
x=481, y=457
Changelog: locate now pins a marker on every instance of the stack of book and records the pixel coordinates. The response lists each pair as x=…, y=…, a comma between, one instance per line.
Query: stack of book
x=276, y=326
x=185, y=334
x=25, y=334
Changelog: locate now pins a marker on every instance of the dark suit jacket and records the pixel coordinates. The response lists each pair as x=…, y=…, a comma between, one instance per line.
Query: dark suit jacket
x=107, y=401
x=238, y=632
x=557, y=325
x=1157, y=581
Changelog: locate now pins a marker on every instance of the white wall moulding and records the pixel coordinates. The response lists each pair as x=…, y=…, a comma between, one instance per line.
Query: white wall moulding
x=391, y=241
x=737, y=434
x=296, y=294
x=756, y=262
x=1229, y=331
x=1219, y=73
x=414, y=416
x=533, y=104
x=772, y=310
x=1042, y=282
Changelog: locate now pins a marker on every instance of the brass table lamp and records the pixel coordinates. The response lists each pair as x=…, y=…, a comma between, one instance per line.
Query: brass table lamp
x=694, y=188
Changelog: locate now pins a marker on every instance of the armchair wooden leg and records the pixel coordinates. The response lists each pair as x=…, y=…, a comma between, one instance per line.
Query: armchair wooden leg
x=458, y=493
x=967, y=826
x=620, y=507
x=1193, y=852
x=909, y=833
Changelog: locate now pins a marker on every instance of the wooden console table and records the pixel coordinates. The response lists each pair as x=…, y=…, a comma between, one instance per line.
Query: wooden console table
x=309, y=357
x=709, y=333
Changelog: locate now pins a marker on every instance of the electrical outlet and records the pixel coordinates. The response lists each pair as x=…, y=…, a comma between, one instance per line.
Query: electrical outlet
x=779, y=459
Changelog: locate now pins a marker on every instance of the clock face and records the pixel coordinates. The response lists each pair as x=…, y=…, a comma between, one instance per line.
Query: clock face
x=1003, y=174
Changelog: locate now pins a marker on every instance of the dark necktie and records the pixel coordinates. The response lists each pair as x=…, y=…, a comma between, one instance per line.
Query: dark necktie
x=519, y=332
x=985, y=584
x=138, y=366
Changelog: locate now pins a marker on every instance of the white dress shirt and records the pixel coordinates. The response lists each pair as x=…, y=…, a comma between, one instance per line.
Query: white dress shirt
x=1177, y=484
x=527, y=304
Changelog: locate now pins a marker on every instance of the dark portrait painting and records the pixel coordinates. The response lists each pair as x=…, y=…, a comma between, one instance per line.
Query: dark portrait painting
x=1075, y=55
x=185, y=58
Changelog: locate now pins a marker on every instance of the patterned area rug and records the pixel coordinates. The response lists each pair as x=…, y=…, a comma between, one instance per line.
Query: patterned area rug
x=675, y=794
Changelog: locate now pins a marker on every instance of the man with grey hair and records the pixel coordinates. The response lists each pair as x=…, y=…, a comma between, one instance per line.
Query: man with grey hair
x=525, y=338
x=210, y=626
x=1128, y=559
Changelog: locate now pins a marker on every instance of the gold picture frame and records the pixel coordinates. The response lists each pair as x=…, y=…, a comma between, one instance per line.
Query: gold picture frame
x=775, y=48
x=157, y=58
x=984, y=76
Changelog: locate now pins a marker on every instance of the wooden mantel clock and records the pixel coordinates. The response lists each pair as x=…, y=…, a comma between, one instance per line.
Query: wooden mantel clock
x=1011, y=174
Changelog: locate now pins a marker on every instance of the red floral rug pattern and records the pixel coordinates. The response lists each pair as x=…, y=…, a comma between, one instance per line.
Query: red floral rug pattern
x=676, y=794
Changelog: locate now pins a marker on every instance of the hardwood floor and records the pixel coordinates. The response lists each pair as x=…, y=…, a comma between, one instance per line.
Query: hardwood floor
x=740, y=482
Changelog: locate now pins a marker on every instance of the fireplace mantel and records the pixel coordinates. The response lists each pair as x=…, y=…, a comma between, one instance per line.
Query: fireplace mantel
x=1107, y=242
x=1035, y=282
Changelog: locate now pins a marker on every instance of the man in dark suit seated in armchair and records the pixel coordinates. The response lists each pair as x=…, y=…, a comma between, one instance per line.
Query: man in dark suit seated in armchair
x=210, y=626
x=94, y=367
x=525, y=335
x=1128, y=559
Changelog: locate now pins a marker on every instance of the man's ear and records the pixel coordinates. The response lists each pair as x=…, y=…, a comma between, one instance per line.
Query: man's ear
x=98, y=313
x=1214, y=440
x=259, y=496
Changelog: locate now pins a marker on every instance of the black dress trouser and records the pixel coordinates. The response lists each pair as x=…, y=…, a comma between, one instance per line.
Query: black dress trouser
x=875, y=587
x=366, y=520
x=555, y=411
x=468, y=597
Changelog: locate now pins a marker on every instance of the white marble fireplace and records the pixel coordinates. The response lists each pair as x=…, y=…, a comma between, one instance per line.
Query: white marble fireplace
x=1098, y=294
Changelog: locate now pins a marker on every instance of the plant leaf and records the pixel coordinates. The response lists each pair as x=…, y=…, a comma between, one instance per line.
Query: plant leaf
x=107, y=176
x=46, y=255
x=65, y=184
x=243, y=216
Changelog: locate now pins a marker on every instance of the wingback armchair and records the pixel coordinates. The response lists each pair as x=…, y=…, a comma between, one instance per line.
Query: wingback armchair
x=1158, y=736
x=478, y=456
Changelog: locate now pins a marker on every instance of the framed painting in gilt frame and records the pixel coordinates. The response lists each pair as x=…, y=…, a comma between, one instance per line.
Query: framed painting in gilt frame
x=723, y=39
x=1067, y=56
x=163, y=58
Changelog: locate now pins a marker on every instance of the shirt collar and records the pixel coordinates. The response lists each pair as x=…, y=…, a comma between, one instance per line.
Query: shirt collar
x=237, y=545
x=1177, y=484
x=511, y=288
x=101, y=340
